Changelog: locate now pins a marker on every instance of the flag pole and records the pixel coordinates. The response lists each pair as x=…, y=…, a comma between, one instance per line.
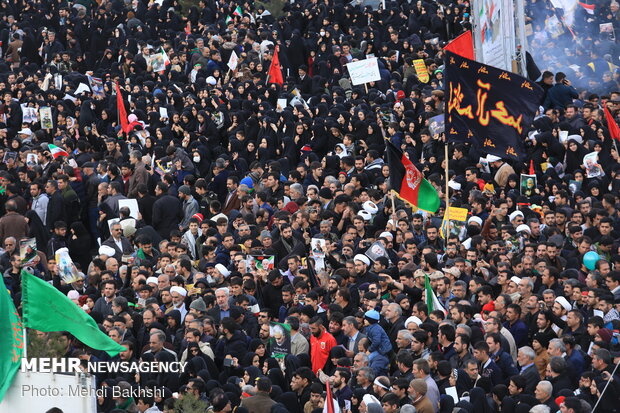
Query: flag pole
x=25, y=353
x=393, y=207
x=118, y=115
x=447, y=210
x=611, y=377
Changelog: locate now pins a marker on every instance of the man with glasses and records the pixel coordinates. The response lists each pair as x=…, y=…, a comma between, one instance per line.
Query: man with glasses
x=120, y=244
x=9, y=248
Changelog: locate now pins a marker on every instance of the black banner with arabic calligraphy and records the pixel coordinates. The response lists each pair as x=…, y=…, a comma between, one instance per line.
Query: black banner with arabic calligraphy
x=489, y=107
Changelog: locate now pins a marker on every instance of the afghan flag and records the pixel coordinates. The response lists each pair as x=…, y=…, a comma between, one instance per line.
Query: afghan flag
x=57, y=151
x=614, y=130
x=275, y=71
x=409, y=183
x=11, y=340
x=47, y=309
x=432, y=303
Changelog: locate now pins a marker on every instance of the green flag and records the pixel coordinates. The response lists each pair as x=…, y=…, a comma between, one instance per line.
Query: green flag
x=11, y=340
x=47, y=309
x=432, y=303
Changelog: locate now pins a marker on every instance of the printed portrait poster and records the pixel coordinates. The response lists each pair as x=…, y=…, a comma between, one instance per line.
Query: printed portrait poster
x=376, y=250
x=46, y=117
x=454, y=222
x=261, y=262
x=318, y=247
x=68, y=271
x=27, y=250
x=593, y=168
x=157, y=62
x=279, y=339
x=31, y=159
x=528, y=185
x=437, y=125
x=574, y=186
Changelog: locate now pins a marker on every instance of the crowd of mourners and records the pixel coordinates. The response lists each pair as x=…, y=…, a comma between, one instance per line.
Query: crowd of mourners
x=228, y=169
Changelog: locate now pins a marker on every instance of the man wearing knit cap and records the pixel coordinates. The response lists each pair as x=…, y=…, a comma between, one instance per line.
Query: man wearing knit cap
x=198, y=308
x=417, y=392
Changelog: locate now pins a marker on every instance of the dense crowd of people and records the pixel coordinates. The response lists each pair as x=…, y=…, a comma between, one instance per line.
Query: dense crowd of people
x=247, y=227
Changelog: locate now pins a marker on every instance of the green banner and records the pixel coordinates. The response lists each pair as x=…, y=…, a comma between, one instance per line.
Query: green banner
x=11, y=340
x=47, y=309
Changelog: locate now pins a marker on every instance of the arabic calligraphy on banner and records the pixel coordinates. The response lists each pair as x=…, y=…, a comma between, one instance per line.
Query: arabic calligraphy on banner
x=489, y=107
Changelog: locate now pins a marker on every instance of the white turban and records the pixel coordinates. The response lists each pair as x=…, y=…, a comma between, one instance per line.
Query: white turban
x=413, y=319
x=179, y=290
x=223, y=270
x=369, y=399
x=564, y=303
x=362, y=258
x=106, y=250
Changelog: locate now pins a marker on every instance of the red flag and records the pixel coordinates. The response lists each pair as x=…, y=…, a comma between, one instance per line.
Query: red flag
x=122, y=113
x=462, y=45
x=589, y=8
x=532, y=171
x=614, y=130
x=329, y=406
x=275, y=71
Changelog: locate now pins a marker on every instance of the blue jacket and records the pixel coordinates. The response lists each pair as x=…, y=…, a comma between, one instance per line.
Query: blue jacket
x=379, y=340
x=560, y=95
x=505, y=363
x=519, y=331
x=378, y=363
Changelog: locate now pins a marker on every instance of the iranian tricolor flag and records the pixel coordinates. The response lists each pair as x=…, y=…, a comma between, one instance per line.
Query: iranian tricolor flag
x=56, y=151
x=409, y=183
x=165, y=56
x=589, y=8
x=432, y=303
x=238, y=11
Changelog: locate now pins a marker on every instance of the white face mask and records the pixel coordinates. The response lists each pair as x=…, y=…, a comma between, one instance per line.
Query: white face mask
x=196, y=158
x=322, y=33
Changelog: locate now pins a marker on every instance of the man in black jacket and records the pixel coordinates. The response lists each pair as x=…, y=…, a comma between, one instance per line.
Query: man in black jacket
x=91, y=184
x=55, y=206
x=166, y=211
